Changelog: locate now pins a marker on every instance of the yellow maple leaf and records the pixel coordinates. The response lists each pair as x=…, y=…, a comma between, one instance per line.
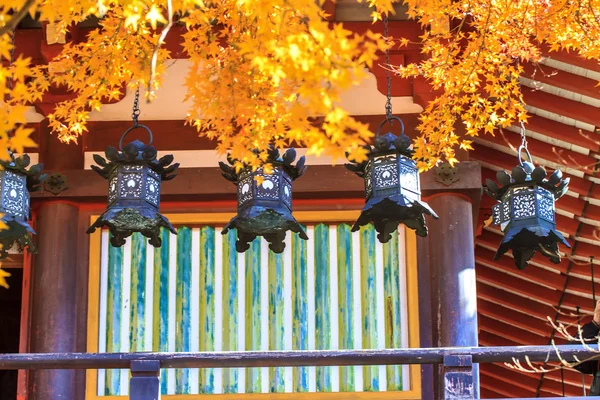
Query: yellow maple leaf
x=21, y=139
x=3, y=276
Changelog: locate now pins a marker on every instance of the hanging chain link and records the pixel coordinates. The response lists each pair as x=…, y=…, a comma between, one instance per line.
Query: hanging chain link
x=523, y=137
x=388, y=75
x=9, y=83
x=136, y=107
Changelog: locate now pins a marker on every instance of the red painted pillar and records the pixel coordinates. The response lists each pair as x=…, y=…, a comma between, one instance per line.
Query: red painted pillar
x=452, y=270
x=53, y=300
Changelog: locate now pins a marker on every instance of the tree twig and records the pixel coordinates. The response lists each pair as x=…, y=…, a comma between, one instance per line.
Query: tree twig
x=161, y=38
x=16, y=18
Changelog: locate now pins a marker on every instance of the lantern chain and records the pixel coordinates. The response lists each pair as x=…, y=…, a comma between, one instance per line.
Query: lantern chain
x=523, y=137
x=388, y=76
x=11, y=61
x=136, y=107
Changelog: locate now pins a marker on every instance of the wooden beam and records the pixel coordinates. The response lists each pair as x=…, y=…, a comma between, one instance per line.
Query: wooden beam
x=508, y=316
x=515, y=284
x=510, y=331
x=177, y=135
x=562, y=106
x=544, y=74
x=519, y=304
x=320, y=181
x=530, y=381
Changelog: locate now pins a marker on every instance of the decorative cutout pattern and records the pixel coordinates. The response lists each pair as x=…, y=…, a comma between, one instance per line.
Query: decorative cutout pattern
x=524, y=206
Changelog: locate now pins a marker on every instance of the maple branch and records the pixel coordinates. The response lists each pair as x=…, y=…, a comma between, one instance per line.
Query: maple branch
x=16, y=18
x=161, y=38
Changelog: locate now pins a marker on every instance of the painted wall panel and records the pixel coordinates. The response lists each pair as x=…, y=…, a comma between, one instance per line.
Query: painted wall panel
x=196, y=293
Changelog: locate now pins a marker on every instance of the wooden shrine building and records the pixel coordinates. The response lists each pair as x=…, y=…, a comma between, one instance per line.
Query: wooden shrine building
x=338, y=290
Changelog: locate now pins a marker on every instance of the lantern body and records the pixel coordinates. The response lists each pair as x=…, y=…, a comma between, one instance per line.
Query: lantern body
x=391, y=175
x=134, y=185
x=15, y=196
x=16, y=183
x=525, y=212
x=265, y=201
x=392, y=188
x=525, y=207
x=134, y=181
x=275, y=191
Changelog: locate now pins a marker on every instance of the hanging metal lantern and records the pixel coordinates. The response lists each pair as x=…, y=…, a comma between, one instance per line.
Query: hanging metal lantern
x=392, y=187
x=525, y=210
x=265, y=209
x=134, y=177
x=17, y=182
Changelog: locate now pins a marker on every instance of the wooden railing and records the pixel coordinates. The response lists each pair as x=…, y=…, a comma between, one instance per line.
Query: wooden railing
x=457, y=362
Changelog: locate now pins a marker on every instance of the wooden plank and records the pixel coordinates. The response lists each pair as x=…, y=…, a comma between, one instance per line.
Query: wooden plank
x=293, y=358
x=319, y=182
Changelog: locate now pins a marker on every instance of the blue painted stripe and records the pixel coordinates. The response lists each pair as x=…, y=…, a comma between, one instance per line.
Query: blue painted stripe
x=207, y=304
x=322, y=302
x=345, y=302
x=300, y=308
x=113, y=319
x=230, y=302
x=183, y=305
x=161, y=302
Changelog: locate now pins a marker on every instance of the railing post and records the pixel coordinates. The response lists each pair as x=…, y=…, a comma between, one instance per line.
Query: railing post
x=145, y=380
x=458, y=377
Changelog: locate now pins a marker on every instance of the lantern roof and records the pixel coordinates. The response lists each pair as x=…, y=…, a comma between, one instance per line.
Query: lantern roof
x=274, y=158
x=19, y=165
x=135, y=152
x=527, y=175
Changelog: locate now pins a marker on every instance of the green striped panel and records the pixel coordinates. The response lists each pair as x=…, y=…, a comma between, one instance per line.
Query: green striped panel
x=393, y=321
x=230, y=308
x=184, y=322
x=369, y=306
x=113, y=315
x=161, y=303
x=276, y=321
x=322, y=303
x=299, y=309
x=345, y=301
x=207, y=304
x=253, y=331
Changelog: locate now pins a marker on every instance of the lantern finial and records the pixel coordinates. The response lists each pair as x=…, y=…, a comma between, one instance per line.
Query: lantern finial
x=525, y=209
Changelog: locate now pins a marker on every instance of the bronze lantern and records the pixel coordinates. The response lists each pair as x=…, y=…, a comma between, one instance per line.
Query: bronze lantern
x=16, y=182
x=134, y=179
x=392, y=186
x=265, y=200
x=525, y=210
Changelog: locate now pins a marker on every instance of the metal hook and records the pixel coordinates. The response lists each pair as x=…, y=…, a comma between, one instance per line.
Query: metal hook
x=529, y=158
x=390, y=121
x=132, y=128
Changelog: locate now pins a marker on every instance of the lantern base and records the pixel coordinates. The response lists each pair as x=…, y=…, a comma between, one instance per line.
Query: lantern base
x=525, y=241
x=123, y=222
x=272, y=224
x=388, y=212
x=19, y=232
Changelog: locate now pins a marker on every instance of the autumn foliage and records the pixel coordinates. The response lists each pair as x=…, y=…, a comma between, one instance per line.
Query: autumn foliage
x=262, y=70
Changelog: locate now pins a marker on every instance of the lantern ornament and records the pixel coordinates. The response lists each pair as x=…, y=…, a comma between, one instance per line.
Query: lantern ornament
x=392, y=187
x=525, y=210
x=16, y=182
x=265, y=204
x=134, y=177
